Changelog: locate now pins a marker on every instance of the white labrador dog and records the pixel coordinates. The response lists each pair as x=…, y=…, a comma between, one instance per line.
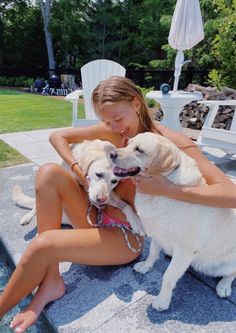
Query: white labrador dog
x=94, y=161
x=192, y=234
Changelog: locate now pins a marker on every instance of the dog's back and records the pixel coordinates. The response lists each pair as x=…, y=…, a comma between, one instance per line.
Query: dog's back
x=208, y=231
x=193, y=234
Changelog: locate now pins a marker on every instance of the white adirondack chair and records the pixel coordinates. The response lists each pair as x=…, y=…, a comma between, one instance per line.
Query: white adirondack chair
x=91, y=74
x=216, y=137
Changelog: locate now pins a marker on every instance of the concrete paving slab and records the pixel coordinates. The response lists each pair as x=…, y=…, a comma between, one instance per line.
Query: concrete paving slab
x=33, y=144
x=194, y=308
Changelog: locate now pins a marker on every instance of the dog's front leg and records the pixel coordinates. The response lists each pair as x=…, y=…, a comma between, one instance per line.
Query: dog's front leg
x=131, y=216
x=153, y=255
x=177, y=267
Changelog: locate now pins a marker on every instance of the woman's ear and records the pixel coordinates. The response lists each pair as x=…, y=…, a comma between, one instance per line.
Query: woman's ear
x=136, y=104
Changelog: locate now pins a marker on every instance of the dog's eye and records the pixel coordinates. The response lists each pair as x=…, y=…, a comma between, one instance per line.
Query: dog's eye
x=99, y=175
x=139, y=149
x=114, y=181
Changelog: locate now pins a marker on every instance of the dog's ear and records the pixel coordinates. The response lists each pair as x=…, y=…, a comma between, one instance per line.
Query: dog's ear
x=85, y=162
x=165, y=159
x=94, y=151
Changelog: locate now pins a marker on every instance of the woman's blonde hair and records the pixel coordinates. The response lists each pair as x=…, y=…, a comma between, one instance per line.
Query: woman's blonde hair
x=118, y=89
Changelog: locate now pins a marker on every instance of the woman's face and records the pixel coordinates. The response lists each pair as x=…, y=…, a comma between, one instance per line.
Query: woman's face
x=121, y=117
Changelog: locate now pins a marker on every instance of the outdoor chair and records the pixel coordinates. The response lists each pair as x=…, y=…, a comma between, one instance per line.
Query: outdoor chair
x=91, y=74
x=218, y=137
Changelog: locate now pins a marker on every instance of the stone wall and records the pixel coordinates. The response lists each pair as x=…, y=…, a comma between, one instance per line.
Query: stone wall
x=194, y=113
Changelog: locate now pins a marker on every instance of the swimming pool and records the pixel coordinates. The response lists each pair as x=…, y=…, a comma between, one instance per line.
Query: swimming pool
x=6, y=267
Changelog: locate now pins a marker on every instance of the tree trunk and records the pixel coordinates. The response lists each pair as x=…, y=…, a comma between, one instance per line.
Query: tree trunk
x=45, y=8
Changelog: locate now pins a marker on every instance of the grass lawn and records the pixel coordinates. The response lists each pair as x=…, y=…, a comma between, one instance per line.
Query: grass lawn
x=24, y=111
x=9, y=156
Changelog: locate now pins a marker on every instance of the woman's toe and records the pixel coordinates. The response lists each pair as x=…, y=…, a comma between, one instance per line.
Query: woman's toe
x=22, y=321
x=19, y=329
x=17, y=320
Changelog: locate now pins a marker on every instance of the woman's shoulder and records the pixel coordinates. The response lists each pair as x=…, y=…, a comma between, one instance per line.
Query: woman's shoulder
x=77, y=134
x=179, y=139
x=106, y=134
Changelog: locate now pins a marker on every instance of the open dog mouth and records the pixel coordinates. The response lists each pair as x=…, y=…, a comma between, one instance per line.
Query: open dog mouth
x=131, y=172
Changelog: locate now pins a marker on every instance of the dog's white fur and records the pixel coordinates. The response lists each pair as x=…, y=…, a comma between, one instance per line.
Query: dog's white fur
x=93, y=157
x=192, y=234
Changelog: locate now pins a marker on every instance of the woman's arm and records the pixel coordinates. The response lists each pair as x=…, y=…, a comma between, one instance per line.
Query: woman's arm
x=62, y=139
x=220, y=192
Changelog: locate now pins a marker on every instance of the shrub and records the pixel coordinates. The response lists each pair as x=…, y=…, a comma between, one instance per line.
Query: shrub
x=20, y=81
x=150, y=101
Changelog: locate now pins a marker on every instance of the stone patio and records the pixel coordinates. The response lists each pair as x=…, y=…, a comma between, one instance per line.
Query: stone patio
x=112, y=299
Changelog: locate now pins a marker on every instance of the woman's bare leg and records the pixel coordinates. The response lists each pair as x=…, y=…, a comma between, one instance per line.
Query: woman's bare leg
x=84, y=246
x=54, y=188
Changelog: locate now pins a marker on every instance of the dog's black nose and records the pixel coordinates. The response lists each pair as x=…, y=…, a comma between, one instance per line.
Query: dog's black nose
x=113, y=155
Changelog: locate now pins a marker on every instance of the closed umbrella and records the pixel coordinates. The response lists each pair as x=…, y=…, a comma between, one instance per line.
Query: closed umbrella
x=185, y=32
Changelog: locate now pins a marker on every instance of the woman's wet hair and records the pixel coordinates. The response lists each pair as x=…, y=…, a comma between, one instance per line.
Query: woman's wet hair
x=121, y=89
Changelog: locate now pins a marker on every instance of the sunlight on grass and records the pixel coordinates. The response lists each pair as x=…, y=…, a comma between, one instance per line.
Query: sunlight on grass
x=8, y=92
x=24, y=111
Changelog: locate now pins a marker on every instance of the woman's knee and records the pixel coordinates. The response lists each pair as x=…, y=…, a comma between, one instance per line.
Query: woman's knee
x=40, y=249
x=47, y=174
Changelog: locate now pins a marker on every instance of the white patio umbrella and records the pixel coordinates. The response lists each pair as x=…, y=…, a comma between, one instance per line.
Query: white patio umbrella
x=185, y=32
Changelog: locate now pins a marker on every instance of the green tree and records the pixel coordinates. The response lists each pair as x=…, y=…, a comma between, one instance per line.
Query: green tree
x=70, y=33
x=23, y=39
x=224, y=43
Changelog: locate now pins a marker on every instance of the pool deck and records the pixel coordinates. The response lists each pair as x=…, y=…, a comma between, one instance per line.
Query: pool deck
x=113, y=299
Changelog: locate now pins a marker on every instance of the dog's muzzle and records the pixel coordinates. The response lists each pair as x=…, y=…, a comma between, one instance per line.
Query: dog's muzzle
x=131, y=172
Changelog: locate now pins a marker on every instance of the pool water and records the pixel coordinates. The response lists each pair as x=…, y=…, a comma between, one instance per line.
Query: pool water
x=6, y=268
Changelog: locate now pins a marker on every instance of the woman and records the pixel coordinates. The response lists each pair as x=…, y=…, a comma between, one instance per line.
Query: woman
x=123, y=113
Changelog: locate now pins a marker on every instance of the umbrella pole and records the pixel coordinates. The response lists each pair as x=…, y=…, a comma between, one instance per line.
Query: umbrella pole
x=179, y=59
x=175, y=88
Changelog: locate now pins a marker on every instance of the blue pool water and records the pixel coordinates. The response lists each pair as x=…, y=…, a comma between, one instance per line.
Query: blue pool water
x=6, y=268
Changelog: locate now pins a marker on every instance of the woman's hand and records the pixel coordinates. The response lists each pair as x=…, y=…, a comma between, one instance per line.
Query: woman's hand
x=154, y=185
x=81, y=177
x=84, y=182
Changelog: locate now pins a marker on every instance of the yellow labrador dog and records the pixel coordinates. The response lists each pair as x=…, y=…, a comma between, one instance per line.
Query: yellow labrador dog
x=192, y=234
x=93, y=157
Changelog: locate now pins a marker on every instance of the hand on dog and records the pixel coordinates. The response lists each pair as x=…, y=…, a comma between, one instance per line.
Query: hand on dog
x=154, y=185
x=84, y=182
x=81, y=178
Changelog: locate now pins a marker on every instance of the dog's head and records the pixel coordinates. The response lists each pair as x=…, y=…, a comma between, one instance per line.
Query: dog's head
x=146, y=151
x=101, y=180
x=87, y=152
x=94, y=161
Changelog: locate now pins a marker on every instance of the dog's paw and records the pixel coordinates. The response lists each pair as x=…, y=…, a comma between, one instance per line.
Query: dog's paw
x=223, y=288
x=26, y=219
x=134, y=221
x=137, y=226
x=161, y=303
x=142, y=267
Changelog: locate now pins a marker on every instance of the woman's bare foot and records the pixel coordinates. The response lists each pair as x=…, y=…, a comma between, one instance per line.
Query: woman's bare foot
x=51, y=289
